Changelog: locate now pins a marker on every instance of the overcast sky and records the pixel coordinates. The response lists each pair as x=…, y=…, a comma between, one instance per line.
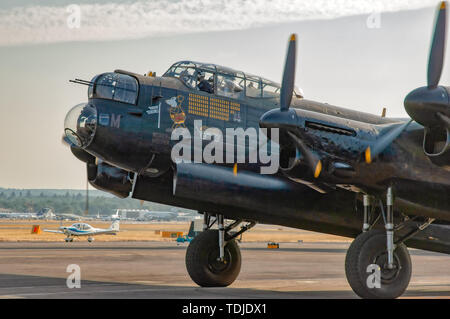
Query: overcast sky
x=341, y=60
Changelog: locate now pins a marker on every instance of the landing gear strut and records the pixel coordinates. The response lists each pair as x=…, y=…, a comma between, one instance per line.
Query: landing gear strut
x=213, y=258
x=376, y=266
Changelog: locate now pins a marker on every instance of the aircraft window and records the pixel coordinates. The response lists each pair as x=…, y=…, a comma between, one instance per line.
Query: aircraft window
x=270, y=91
x=104, y=88
x=185, y=74
x=205, y=81
x=253, y=89
x=188, y=77
x=208, y=67
x=126, y=89
x=118, y=87
x=228, y=82
x=230, y=86
x=170, y=72
x=91, y=87
x=84, y=227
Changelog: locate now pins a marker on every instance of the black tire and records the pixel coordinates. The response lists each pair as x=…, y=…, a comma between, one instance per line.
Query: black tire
x=370, y=248
x=202, y=265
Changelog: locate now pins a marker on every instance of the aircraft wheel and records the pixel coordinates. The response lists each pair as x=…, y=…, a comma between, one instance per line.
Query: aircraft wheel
x=370, y=248
x=203, y=265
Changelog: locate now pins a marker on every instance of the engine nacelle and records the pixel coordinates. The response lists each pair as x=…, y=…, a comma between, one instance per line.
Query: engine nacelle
x=436, y=145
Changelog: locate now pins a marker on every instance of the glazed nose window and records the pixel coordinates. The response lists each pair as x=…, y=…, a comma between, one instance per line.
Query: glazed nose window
x=80, y=124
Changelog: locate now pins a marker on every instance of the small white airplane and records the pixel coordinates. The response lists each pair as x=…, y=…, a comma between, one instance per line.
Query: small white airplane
x=83, y=229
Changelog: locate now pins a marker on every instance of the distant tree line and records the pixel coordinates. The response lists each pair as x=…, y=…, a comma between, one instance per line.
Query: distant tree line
x=69, y=202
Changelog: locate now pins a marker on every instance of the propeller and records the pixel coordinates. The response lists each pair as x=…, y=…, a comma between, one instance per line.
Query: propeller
x=437, y=50
x=284, y=117
x=287, y=84
x=426, y=105
x=429, y=105
x=311, y=158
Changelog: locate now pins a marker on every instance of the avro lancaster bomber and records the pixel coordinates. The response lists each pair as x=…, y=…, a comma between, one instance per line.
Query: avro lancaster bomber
x=383, y=181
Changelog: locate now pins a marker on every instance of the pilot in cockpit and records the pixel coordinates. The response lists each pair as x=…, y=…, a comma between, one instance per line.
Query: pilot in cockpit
x=203, y=84
x=211, y=81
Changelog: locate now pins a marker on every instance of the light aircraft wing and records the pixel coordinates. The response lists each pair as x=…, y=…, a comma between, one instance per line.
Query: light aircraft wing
x=53, y=231
x=105, y=232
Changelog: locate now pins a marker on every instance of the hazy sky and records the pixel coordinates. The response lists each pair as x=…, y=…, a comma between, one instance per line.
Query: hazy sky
x=340, y=60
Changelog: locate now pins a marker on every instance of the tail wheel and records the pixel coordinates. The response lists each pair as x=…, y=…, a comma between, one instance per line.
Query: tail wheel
x=370, y=248
x=203, y=264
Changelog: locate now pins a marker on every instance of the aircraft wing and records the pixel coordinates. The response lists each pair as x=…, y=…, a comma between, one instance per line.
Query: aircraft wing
x=327, y=150
x=53, y=231
x=105, y=232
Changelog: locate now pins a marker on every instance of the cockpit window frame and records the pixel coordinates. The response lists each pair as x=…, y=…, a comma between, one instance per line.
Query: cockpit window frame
x=221, y=70
x=118, y=74
x=231, y=94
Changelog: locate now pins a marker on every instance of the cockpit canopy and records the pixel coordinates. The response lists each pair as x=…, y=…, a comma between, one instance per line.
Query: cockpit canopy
x=224, y=81
x=82, y=226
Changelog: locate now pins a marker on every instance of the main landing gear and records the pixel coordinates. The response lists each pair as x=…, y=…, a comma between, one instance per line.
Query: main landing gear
x=376, y=265
x=213, y=258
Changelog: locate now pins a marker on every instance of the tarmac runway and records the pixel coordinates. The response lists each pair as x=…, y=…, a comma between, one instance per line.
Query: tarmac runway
x=157, y=270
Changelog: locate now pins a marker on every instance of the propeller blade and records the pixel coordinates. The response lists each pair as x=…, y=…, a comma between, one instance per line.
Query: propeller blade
x=287, y=84
x=312, y=159
x=444, y=119
x=384, y=141
x=437, y=50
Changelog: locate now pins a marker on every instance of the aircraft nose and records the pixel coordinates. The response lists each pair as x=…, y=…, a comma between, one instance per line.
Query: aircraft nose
x=80, y=124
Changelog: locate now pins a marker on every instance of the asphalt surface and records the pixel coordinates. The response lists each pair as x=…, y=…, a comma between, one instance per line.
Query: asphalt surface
x=157, y=270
